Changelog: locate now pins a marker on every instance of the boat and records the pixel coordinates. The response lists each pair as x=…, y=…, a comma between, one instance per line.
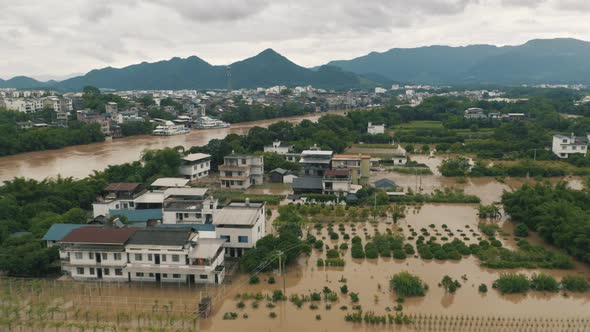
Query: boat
x=206, y=122
x=170, y=129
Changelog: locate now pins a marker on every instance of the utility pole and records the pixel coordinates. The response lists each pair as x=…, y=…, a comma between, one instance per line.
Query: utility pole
x=282, y=271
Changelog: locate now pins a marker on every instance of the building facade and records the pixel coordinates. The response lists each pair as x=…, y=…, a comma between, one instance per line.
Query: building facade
x=241, y=171
x=195, y=166
x=564, y=146
x=188, y=206
x=240, y=225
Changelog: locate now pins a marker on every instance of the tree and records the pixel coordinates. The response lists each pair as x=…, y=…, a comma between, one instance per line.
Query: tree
x=456, y=166
x=407, y=285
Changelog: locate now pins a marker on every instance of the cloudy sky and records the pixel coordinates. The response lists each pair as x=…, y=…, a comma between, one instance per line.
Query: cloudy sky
x=55, y=37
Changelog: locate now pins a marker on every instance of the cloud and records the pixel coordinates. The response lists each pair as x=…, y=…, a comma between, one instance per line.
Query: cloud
x=80, y=35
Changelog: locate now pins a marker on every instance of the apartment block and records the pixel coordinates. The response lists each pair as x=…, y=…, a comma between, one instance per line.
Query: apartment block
x=195, y=166
x=240, y=225
x=241, y=171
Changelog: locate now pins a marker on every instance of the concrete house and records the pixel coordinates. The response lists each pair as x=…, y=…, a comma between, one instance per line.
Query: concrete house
x=316, y=162
x=359, y=166
x=474, y=113
x=279, y=148
x=195, y=166
x=188, y=206
x=240, y=225
x=174, y=255
x=96, y=253
x=563, y=146
x=241, y=171
x=279, y=175
x=374, y=128
x=337, y=181
x=118, y=196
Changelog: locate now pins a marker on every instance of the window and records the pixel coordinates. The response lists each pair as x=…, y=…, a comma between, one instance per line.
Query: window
x=106, y=272
x=574, y=147
x=131, y=204
x=117, y=256
x=139, y=274
x=150, y=257
x=186, y=215
x=163, y=258
x=80, y=270
x=138, y=257
x=118, y=272
x=225, y=237
x=91, y=255
x=91, y=271
x=243, y=161
x=105, y=256
x=176, y=276
x=198, y=215
x=78, y=255
x=175, y=258
x=151, y=275
x=165, y=275
x=179, y=216
x=116, y=206
x=242, y=239
x=203, y=276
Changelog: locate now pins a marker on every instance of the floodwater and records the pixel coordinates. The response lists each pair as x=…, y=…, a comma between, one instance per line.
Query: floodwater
x=80, y=160
x=370, y=278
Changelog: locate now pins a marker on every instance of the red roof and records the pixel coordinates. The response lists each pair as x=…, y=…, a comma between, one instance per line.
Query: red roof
x=337, y=172
x=100, y=235
x=122, y=186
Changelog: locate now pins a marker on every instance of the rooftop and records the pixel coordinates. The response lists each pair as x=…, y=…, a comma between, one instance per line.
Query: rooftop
x=58, y=231
x=196, y=156
x=324, y=153
x=170, y=182
x=185, y=192
x=141, y=215
x=122, y=186
x=337, y=172
x=350, y=156
x=162, y=236
x=237, y=215
x=100, y=235
x=207, y=248
x=308, y=182
x=150, y=197
x=197, y=227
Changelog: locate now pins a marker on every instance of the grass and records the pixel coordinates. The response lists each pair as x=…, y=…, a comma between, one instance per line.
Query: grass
x=420, y=125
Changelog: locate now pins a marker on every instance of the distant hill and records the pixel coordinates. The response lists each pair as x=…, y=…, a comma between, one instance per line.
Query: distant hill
x=263, y=70
x=537, y=61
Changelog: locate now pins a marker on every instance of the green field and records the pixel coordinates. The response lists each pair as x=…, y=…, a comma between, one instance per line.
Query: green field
x=420, y=125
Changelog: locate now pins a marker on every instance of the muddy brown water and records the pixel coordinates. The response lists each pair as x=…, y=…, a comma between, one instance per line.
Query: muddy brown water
x=80, y=160
x=370, y=278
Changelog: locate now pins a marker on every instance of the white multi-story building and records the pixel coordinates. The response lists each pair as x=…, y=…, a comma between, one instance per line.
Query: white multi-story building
x=111, y=107
x=563, y=146
x=118, y=196
x=474, y=113
x=279, y=148
x=241, y=171
x=374, y=128
x=188, y=206
x=240, y=225
x=174, y=255
x=195, y=166
x=96, y=253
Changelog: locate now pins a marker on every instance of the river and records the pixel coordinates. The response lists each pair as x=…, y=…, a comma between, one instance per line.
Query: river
x=81, y=160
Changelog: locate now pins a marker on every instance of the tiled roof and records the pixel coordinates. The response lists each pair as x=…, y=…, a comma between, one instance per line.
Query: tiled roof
x=161, y=236
x=100, y=235
x=58, y=231
x=122, y=186
x=138, y=215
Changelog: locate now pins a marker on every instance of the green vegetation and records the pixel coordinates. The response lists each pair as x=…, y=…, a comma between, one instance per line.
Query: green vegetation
x=407, y=285
x=456, y=166
x=14, y=140
x=449, y=284
x=447, y=195
x=526, y=256
x=512, y=283
x=560, y=215
x=575, y=283
x=412, y=170
x=483, y=288
x=544, y=282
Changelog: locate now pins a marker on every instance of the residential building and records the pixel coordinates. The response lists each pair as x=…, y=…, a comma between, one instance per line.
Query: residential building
x=337, y=181
x=308, y=184
x=162, y=184
x=117, y=196
x=359, y=166
x=57, y=232
x=188, y=206
x=96, y=253
x=279, y=175
x=315, y=162
x=174, y=255
x=241, y=171
x=279, y=148
x=474, y=113
x=563, y=146
x=89, y=117
x=399, y=160
x=385, y=184
x=195, y=166
x=375, y=128
x=111, y=107
x=240, y=225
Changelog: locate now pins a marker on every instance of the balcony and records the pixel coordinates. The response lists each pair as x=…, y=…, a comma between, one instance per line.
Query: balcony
x=241, y=168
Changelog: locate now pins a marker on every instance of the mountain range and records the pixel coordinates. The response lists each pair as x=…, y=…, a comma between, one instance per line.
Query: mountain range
x=537, y=61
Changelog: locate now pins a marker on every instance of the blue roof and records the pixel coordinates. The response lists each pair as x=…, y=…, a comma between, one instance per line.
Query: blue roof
x=58, y=231
x=138, y=215
x=198, y=227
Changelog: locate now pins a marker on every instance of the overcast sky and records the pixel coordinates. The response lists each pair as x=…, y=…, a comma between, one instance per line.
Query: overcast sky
x=50, y=37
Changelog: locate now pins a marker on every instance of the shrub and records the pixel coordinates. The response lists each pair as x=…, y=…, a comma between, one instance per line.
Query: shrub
x=319, y=244
x=334, y=262
x=406, y=284
x=357, y=251
x=354, y=297
x=313, y=306
x=488, y=228
x=320, y=262
x=333, y=236
x=271, y=280
x=344, y=289
x=399, y=254
x=496, y=243
x=483, y=288
x=254, y=280
x=272, y=314
x=241, y=305
x=575, y=284
x=544, y=282
x=512, y=283
x=521, y=230
x=318, y=317
x=449, y=284
x=296, y=300
x=332, y=253
x=278, y=295
x=343, y=246
x=371, y=250
x=356, y=239
x=316, y=296
x=230, y=316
